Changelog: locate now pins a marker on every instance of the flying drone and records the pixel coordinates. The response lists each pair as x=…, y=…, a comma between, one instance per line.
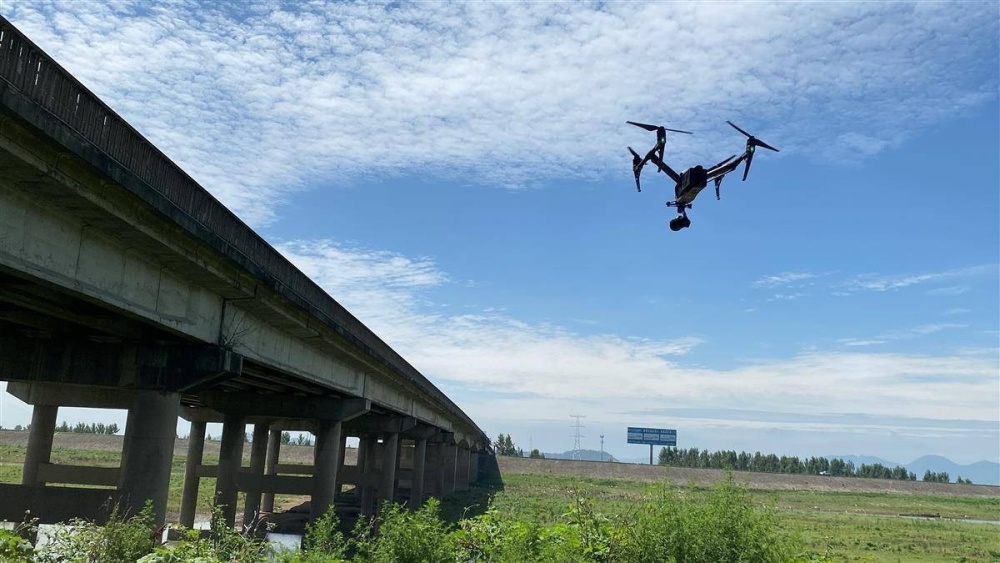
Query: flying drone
x=690, y=182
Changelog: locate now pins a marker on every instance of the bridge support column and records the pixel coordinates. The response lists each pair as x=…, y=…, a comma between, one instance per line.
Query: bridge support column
x=146, y=461
x=367, y=456
x=462, y=468
x=43, y=428
x=440, y=477
x=390, y=458
x=474, y=468
x=419, y=467
x=195, y=453
x=326, y=459
x=449, y=466
x=230, y=460
x=271, y=466
x=258, y=455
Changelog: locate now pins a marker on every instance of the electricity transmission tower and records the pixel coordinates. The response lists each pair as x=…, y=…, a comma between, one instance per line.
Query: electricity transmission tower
x=577, y=435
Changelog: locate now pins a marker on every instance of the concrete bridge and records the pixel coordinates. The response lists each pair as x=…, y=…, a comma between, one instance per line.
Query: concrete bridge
x=124, y=284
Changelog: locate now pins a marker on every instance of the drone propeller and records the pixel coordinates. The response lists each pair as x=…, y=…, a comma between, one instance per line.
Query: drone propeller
x=636, y=167
x=648, y=127
x=661, y=132
x=752, y=143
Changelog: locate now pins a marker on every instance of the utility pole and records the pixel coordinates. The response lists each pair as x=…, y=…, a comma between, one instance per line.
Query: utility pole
x=602, y=447
x=577, y=435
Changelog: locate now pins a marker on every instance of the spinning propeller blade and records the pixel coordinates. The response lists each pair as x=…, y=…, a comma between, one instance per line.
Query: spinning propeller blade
x=649, y=127
x=636, y=167
x=643, y=125
x=752, y=143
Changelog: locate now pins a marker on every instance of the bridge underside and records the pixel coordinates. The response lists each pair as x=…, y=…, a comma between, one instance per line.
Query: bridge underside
x=112, y=295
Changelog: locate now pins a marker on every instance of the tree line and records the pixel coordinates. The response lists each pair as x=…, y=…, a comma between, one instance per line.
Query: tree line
x=504, y=445
x=770, y=463
x=84, y=428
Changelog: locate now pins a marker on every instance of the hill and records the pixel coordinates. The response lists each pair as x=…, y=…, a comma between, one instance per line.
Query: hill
x=980, y=473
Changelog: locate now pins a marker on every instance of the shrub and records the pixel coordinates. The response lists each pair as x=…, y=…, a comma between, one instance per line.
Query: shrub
x=122, y=539
x=14, y=548
x=323, y=542
x=726, y=526
x=223, y=544
x=498, y=539
x=404, y=536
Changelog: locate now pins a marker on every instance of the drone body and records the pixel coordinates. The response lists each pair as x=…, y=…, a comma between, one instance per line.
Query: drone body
x=688, y=184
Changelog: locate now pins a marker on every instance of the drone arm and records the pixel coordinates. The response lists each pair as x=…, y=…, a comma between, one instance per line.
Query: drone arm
x=719, y=171
x=725, y=167
x=664, y=168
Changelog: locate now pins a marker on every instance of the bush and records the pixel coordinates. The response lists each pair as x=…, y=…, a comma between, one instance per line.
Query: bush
x=498, y=539
x=725, y=527
x=122, y=539
x=13, y=547
x=323, y=542
x=223, y=544
x=404, y=536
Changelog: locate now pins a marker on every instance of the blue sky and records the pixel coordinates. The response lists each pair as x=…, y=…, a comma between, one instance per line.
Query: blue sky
x=456, y=175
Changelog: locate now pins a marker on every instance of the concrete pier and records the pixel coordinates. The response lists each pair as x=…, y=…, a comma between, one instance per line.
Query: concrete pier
x=390, y=458
x=369, y=471
x=419, y=468
x=230, y=460
x=43, y=429
x=327, y=456
x=146, y=462
x=196, y=450
x=271, y=467
x=258, y=456
x=462, y=469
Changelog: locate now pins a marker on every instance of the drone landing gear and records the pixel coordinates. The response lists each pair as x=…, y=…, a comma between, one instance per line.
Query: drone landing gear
x=681, y=221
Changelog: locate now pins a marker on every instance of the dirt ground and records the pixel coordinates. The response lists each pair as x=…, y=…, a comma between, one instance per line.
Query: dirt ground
x=759, y=481
x=73, y=441
x=591, y=469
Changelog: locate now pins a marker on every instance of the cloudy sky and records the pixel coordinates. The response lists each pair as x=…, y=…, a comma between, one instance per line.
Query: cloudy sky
x=457, y=176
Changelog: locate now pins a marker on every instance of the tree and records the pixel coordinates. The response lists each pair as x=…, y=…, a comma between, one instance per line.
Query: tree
x=504, y=445
x=286, y=438
x=535, y=454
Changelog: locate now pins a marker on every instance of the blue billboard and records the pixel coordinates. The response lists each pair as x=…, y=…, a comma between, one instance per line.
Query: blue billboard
x=652, y=436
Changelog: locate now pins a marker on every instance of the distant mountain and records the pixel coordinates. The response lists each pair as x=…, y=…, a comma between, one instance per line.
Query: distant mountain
x=585, y=455
x=859, y=460
x=980, y=473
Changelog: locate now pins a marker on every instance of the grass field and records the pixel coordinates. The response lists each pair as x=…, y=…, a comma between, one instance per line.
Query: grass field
x=840, y=525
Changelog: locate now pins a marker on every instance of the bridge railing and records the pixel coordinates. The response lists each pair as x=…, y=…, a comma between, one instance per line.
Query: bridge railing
x=39, y=78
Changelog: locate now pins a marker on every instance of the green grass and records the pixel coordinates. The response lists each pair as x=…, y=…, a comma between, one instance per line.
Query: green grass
x=842, y=526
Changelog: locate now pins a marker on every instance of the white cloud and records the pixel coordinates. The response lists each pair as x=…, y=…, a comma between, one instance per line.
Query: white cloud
x=786, y=296
x=913, y=332
x=547, y=369
x=957, y=311
x=257, y=100
x=784, y=278
x=882, y=282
